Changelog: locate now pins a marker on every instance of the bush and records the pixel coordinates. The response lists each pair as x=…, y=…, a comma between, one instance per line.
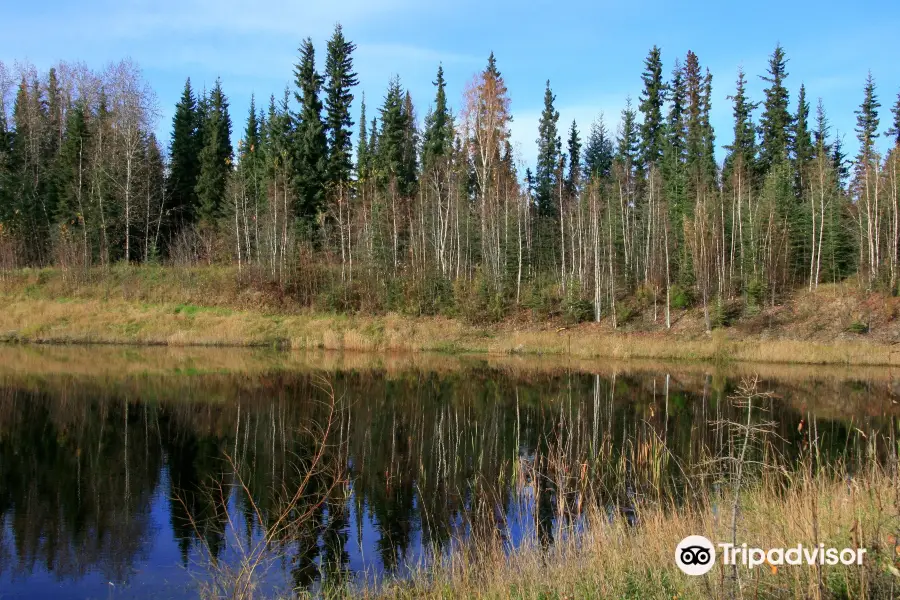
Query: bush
x=858, y=327
x=578, y=310
x=723, y=314
x=625, y=312
x=681, y=298
x=542, y=299
x=756, y=292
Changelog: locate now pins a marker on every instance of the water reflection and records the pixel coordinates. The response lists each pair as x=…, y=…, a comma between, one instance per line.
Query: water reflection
x=100, y=474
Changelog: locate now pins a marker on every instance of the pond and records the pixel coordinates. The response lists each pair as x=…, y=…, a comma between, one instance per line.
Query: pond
x=126, y=472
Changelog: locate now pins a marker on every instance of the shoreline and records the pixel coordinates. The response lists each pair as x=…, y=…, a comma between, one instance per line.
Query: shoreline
x=66, y=320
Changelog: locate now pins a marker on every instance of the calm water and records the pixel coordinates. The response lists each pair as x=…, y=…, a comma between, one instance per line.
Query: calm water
x=122, y=470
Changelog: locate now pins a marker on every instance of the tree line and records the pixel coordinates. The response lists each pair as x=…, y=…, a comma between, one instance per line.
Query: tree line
x=435, y=214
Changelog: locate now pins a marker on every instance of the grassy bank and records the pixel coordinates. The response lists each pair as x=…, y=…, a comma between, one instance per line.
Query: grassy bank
x=613, y=559
x=211, y=307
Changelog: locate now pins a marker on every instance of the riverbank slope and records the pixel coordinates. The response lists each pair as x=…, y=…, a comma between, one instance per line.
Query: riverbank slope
x=210, y=307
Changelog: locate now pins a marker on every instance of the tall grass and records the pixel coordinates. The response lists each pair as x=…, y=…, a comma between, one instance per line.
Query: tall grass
x=607, y=513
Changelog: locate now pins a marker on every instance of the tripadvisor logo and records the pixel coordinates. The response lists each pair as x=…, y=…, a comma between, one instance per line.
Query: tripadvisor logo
x=696, y=555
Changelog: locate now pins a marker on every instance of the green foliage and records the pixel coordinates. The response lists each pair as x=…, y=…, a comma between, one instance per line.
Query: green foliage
x=438, y=136
x=549, y=146
x=756, y=291
x=776, y=122
x=309, y=140
x=858, y=327
x=681, y=298
x=576, y=308
x=598, y=154
x=723, y=313
x=215, y=158
x=625, y=313
x=653, y=127
x=184, y=157
x=340, y=79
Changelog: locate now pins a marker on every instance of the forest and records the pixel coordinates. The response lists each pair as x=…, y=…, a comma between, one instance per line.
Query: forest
x=386, y=211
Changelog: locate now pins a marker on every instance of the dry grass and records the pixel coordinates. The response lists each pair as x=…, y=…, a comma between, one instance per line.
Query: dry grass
x=122, y=322
x=208, y=307
x=615, y=560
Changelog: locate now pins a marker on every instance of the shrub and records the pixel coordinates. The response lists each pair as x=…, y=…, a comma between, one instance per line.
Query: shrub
x=578, y=310
x=858, y=327
x=681, y=298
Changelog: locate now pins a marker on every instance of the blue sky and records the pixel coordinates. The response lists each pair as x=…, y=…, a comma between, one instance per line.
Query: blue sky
x=592, y=51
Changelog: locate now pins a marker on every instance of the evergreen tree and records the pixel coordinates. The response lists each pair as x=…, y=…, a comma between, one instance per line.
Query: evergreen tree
x=362, y=146
x=72, y=182
x=598, y=154
x=574, y=146
x=894, y=131
x=652, y=98
x=410, y=147
x=310, y=145
x=340, y=80
x=744, y=145
x=393, y=140
x=676, y=142
x=628, y=143
x=216, y=157
x=549, y=149
x=52, y=140
x=438, y=126
x=775, y=123
x=802, y=149
x=708, y=158
x=821, y=145
x=251, y=138
x=694, y=127
x=867, y=123
x=251, y=156
x=839, y=161
x=184, y=165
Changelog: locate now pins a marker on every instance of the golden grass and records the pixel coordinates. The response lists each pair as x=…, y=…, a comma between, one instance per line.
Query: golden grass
x=615, y=560
x=124, y=322
x=209, y=306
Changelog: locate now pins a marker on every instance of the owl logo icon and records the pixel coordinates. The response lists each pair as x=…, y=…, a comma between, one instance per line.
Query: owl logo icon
x=695, y=555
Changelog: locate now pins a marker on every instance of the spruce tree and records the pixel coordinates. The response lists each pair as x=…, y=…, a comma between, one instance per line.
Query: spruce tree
x=549, y=148
x=72, y=182
x=708, y=157
x=310, y=144
x=574, y=147
x=694, y=138
x=652, y=98
x=392, y=138
x=184, y=151
x=340, y=79
x=598, y=154
x=251, y=155
x=362, y=146
x=839, y=161
x=867, y=123
x=410, y=171
x=675, y=151
x=775, y=123
x=628, y=143
x=894, y=131
x=216, y=157
x=802, y=148
x=438, y=126
x=743, y=147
